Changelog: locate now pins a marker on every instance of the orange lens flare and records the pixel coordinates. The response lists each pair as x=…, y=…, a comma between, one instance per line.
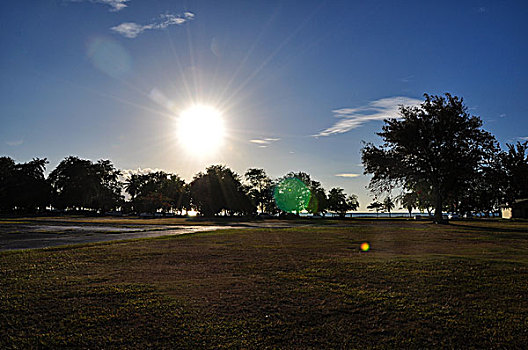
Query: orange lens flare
x=365, y=247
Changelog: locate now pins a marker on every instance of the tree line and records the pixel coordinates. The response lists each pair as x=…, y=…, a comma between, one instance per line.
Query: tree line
x=435, y=156
x=80, y=185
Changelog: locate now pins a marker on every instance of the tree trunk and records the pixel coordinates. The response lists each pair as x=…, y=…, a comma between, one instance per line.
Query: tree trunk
x=438, y=219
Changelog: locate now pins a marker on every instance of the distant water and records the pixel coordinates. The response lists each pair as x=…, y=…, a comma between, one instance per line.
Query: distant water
x=393, y=215
x=369, y=215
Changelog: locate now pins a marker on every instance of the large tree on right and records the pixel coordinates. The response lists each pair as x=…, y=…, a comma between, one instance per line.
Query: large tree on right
x=436, y=145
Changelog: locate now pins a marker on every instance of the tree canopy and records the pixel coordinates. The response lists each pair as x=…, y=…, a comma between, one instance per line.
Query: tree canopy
x=339, y=203
x=515, y=166
x=81, y=184
x=23, y=186
x=157, y=191
x=220, y=189
x=260, y=190
x=436, y=145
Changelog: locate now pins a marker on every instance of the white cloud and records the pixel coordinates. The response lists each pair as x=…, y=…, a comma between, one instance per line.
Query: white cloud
x=139, y=171
x=525, y=138
x=263, y=143
x=14, y=143
x=115, y=5
x=348, y=175
x=129, y=29
x=351, y=118
x=132, y=30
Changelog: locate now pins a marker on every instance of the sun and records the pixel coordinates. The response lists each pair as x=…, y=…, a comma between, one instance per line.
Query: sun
x=201, y=130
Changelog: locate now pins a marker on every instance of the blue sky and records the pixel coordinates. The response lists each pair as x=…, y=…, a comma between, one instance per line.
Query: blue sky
x=300, y=83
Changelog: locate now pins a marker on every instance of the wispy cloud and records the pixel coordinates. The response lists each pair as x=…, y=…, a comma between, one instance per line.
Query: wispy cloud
x=407, y=78
x=263, y=143
x=115, y=5
x=347, y=175
x=351, y=118
x=14, y=143
x=524, y=138
x=132, y=30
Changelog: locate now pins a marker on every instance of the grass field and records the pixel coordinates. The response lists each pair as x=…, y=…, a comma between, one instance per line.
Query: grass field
x=421, y=285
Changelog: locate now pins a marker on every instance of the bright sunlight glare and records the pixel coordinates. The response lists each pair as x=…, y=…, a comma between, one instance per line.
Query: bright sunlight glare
x=201, y=130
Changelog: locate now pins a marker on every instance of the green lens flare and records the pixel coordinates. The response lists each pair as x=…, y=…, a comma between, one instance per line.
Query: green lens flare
x=291, y=195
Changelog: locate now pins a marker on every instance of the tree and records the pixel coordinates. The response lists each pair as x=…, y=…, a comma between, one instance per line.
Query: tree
x=409, y=201
x=23, y=186
x=486, y=189
x=388, y=205
x=515, y=164
x=339, y=203
x=220, y=189
x=317, y=202
x=157, y=191
x=132, y=185
x=436, y=145
x=353, y=202
x=260, y=190
x=80, y=184
x=7, y=169
x=177, y=192
x=108, y=187
x=377, y=206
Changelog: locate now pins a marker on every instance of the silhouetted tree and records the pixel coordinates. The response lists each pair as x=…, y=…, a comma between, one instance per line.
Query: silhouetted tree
x=339, y=203
x=515, y=163
x=318, y=200
x=108, y=190
x=260, y=190
x=437, y=145
x=220, y=189
x=7, y=169
x=23, y=186
x=377, y=206
x=157, y=191
x=80, y=184
x=388, y=205
x=132, y=185
x=353, y=202
x=409, y=201
x=485, y=191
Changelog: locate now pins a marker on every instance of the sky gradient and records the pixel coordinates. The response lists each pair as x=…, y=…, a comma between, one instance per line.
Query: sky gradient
x=300, y=84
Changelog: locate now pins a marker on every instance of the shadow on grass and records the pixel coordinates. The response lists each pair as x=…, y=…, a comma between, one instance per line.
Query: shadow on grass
x=498, y=231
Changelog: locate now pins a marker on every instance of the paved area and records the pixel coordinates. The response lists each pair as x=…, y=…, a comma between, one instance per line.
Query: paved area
x=42, y=235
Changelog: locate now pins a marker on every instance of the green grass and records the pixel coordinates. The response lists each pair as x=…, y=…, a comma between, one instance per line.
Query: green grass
x=420, y=286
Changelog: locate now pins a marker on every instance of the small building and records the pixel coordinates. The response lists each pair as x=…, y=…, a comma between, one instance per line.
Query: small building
x=518, y=210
